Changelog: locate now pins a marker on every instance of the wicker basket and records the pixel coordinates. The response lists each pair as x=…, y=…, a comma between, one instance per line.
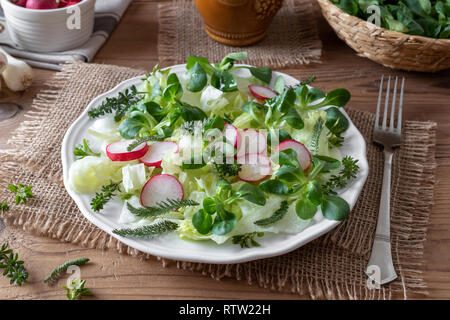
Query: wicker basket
x=390, y=48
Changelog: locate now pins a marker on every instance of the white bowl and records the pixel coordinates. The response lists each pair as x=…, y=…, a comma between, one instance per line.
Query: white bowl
x=47, y=30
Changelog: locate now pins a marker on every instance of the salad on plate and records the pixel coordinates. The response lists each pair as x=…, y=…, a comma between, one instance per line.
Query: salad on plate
x=221, y=152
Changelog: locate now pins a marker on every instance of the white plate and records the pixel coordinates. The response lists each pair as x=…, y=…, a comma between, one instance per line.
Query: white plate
x=169, y=245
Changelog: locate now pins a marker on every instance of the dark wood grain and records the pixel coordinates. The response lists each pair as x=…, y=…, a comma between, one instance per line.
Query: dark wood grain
x=115, y=276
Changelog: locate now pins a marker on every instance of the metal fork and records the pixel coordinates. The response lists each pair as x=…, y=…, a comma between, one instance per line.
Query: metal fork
x=380, y=268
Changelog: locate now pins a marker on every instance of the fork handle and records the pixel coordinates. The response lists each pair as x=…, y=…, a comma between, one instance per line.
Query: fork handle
x=381, y=255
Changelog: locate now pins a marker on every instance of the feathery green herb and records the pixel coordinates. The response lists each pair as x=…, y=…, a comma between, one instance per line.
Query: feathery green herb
x=119, y=105
x=275, y=217
x=12, y=267
x=162, y=207
x=83, y=150
x=315, y=138
x=349, y=171
x=134, y=144
x=149, y=231
x=22, y=192
x=4, y=206
x=101, y=198
x=247, y=240
x=57, y=272
x=76, y=289
x=308, y=80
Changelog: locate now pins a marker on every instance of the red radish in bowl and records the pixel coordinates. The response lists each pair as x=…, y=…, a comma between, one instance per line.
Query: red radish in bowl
x=261, y=92
x=42, y=4
x=161, y=187
x=156, y=152
x=68, y=3
x=118, y=151
x=303, y=154
x=251, y=141
x=232, y=135
x=254, y=167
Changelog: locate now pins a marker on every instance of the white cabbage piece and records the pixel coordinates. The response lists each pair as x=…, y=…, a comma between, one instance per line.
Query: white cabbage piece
x=212, y=99
x=105, y=129
x=89, y=174
x=133, y=177
x=126, y=216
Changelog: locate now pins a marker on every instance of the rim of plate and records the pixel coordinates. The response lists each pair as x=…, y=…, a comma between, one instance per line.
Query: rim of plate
x=294, y=241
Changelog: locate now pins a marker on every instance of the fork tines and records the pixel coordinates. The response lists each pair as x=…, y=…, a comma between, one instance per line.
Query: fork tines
x=391, y=125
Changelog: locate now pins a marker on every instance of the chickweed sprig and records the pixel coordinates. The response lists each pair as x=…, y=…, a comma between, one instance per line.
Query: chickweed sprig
x=22, y=192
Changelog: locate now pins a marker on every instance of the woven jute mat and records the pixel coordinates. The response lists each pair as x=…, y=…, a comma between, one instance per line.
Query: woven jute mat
x=292, y=38
x=330, y=267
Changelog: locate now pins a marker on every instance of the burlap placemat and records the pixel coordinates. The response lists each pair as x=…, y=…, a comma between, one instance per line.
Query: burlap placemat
x=331, y=266
x=292, y=38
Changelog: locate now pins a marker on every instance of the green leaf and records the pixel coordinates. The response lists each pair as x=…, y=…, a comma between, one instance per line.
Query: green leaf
x=314, y=192
x=192, y=113
x=335, y=121
x=286, y=100
x=264, y=74
x=174, y=89
x=335, y=208
x=305, y=209
x=279, y=85
x=337, y=97
x=314, y=94
x=215, y=123
x=197, y=78
x=330, y=164
x=274, y=187
x=202, y=61
x=349, y=6
x=293, y=119
x=251, y=193
x=202, y=221
x=288, y=157
x=279, y=135
x=224, y=223
x=129, y=128
x=209, y=205
x=224, y=81
x=236, y=56
x=289, y=174
x=419, y=7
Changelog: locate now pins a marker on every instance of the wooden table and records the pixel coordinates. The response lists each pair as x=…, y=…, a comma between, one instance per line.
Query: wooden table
x=115, y=276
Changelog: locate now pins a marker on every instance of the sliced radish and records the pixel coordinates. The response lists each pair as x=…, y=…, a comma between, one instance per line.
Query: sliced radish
x=303, y=154
x=231, y=134
x=161, y=187
x=254, y=167
x=261, y=92
x=251, y=141
x=118, y=151
x=157, y=151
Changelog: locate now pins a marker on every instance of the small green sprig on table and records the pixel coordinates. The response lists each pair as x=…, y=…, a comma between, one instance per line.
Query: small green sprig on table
x=22, y=192
x=76, y=289
x=13, y=268
x=4, y=206
x=57, y=271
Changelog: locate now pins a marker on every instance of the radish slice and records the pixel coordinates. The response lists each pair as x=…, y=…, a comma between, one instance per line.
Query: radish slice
x=303, y=155
x=161, y=188
x=254, y=167
x=261, y=93
x=157, y=151
x=252, y=141
x=118, y=151
x=231, y=134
